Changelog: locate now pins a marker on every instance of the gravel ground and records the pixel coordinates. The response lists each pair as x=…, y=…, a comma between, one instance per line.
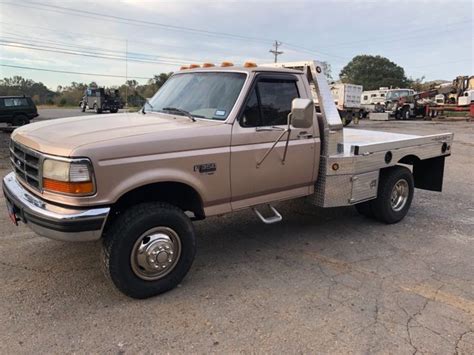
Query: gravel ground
x=326, y=281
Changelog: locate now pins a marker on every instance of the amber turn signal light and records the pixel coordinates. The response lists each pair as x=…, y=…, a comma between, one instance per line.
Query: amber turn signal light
x=73, y=188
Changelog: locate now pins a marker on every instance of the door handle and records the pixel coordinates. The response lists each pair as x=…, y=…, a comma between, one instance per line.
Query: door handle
x=304, y=135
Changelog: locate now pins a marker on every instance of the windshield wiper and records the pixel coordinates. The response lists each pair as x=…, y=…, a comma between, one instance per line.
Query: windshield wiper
x=146, y=102
x=183, y=112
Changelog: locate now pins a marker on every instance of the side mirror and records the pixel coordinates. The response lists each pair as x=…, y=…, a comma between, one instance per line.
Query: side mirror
x=301, y=115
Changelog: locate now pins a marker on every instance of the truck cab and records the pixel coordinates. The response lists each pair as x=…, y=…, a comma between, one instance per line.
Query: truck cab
x=211, y=141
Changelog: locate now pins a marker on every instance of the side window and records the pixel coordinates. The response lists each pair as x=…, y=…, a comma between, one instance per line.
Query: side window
x=270, y=103
x=9, y=102
x=275, y=100
x=251, y=115
x=21, y=102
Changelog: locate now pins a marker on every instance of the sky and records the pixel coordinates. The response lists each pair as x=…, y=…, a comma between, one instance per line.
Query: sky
x=137, y=39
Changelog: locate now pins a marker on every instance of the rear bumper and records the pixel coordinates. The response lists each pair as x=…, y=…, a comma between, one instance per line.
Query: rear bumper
x=50, y=220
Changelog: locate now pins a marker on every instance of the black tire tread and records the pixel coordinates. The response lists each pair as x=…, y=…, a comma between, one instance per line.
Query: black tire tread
x=117, y=232
x=379, y=207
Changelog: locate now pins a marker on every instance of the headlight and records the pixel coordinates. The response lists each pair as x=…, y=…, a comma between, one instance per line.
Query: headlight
x=69, y=177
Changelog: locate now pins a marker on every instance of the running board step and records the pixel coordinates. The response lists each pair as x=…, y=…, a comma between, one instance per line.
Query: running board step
x=269, y=220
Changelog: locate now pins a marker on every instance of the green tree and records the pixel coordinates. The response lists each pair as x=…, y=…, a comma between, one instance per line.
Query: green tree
x=18, y=85
x=373, y=72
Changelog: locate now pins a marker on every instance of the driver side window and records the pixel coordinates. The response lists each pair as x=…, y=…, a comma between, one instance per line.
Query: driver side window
x=269, y=103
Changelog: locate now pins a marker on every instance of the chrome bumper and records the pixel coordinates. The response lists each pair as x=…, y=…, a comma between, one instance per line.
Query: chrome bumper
x=50, y=220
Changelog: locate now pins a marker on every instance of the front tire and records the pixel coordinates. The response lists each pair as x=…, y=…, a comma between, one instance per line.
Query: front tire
x=149, y=249
x=405, y=113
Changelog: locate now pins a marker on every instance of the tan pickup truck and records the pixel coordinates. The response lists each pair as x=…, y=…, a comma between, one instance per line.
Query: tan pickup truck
x=212, y=140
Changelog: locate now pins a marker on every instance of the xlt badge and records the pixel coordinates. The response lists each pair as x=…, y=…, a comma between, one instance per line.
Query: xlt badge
x=207, y=168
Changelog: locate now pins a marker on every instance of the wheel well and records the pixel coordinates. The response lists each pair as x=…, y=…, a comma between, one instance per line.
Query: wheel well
x=409, y=159
x=178, y=194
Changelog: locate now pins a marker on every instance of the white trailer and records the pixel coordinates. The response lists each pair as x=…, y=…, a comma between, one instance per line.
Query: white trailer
x=373, y=100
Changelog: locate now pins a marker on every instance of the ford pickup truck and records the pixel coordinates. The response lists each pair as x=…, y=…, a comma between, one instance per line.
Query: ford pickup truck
x=211, y=141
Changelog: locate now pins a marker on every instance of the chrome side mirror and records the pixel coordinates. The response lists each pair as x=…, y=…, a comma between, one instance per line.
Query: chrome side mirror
x=301, y=115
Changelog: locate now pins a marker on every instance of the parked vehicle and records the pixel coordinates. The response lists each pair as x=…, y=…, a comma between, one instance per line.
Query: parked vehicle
x=373, y=101
x=401, y=104
x=17, y=110
x=211, y=141
x=101, y=100
x=371, y=97
x=347, y=99
x=467, y=98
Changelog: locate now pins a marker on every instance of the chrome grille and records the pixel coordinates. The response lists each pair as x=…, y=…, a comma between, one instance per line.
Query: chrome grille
x=26, y=164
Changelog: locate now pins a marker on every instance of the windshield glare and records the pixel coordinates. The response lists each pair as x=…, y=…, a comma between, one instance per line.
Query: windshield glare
x=204, y=95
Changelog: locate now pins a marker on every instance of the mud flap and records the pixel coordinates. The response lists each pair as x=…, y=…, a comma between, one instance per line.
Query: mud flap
x=428, y=174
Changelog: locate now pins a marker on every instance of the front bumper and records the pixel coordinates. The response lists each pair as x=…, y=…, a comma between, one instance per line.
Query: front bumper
x=50, y=220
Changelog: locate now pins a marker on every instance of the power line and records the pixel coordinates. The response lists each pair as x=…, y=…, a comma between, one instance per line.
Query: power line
x=109, y=17
x=72, y=72
x=386, y=38
x=86, y=54
x=102, y=51
x=120, y=19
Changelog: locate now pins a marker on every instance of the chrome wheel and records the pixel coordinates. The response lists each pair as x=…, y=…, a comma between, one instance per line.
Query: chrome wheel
x=155, y=253
x=399, y=196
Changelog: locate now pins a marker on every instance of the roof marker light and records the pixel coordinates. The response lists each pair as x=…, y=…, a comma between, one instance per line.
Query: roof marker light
x=227, y=64
x=249, y=64
x=208, y=65
x=184, y=67
x=192, y=66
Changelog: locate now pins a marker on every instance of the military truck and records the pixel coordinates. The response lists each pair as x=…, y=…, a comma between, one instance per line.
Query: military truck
x=211, y=141
x=100, y=100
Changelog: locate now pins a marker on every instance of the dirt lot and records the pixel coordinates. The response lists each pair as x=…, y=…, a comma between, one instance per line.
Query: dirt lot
x=327, y=281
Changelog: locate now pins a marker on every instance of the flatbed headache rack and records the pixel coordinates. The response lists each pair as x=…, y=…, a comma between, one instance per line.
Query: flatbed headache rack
x=351, y=159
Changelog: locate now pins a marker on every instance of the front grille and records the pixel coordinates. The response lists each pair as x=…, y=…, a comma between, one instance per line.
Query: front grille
x=26, y=164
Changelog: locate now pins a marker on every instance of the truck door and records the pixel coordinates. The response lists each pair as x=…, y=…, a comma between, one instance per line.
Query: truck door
x=254, y=132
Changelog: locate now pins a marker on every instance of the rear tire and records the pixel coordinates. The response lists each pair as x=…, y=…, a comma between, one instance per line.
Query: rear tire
x=97, y=109
x=395, y=193
x=148, y=249
x=20, y=120
x=405, y=113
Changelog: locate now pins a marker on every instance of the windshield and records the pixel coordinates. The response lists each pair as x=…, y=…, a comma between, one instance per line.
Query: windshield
x=204, y=95
x=394, y=95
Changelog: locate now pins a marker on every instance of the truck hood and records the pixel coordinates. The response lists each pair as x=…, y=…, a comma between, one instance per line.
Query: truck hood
x=64, y=136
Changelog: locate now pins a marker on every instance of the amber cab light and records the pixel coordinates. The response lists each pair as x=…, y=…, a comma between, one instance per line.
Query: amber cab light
x=227, y=64
x=250, y=64
x=208, y=65
x=193, y=66
x=184, y=67
x=73, y=188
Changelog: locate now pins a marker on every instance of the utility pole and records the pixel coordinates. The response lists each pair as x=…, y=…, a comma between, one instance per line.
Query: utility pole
x=126, y=73
x=275, y=51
